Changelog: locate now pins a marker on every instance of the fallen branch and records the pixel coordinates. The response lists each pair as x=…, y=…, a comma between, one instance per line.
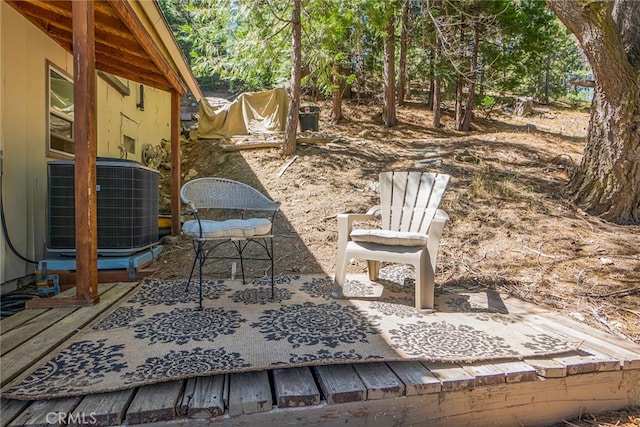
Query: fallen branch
x=583, y=83
x=618, y=293
x=539, y=253
x=284, y=168
x=247, y=145
x=261, y=143
x=637, y=313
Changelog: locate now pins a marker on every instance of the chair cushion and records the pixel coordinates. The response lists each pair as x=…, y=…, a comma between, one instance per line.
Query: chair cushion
x=231, y=228
x=388, y=237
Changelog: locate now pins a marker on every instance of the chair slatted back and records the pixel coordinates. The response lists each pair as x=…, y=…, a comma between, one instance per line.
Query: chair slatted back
x=220, y=193
x=409, y=200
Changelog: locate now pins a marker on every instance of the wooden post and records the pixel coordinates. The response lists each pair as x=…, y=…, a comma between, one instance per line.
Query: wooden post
x=175, y=163
x=84, y=138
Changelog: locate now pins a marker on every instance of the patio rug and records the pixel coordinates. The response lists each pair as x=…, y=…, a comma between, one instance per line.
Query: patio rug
x=159, y=334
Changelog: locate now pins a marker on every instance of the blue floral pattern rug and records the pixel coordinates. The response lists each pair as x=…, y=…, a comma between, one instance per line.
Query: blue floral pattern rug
x=159, y=334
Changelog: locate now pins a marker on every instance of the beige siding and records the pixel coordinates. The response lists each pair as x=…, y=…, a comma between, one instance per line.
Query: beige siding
x=24, y=51
x=118, y=116
x=24, y=177
x=2, y=89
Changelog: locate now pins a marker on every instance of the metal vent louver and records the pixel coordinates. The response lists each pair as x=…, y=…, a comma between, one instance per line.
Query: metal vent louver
x=127, y=199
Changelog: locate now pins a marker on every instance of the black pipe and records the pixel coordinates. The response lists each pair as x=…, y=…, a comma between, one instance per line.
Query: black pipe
x=6, y=232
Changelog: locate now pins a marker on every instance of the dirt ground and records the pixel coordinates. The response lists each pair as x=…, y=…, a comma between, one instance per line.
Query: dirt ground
x=512, y=226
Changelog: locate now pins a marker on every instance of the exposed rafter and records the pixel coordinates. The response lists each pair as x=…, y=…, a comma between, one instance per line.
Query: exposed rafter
x=122, y=44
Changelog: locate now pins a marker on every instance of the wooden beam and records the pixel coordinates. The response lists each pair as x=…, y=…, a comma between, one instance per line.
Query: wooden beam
x=132, y=22
x=51, y=8
x=115, y=83
x=55, y=10
x=126, y=62
x=112, y=47
x=85, y=135
x=111, y=41
x=175, y=163
x=148, y=79
x=117, y=50
x=58, y=13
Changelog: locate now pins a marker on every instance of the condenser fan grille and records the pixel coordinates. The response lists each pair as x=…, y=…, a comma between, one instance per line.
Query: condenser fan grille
x=127, y=202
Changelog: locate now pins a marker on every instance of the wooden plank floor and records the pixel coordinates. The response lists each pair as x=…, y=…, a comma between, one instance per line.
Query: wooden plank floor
x=605, y=375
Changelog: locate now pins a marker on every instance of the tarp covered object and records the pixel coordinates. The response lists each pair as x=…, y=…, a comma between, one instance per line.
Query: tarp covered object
x=250, y=113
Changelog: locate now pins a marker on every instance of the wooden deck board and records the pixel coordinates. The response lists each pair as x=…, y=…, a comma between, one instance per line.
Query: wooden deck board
x=39, y=345
x=548, y=368
x=515, y=372
x=583, y=363
x=17, y=336
x=182, y=407
x=380, y=381
x=452, y=377
x=485, y=374
x=603, y=376
x=155, y=402
x=47, y=412
x=627, y=353
x=15, y=320
x=249, y=392
x=575, y=329
x=10, y=409
x=105, y=409
x=208, y=398
x=295, y=387
x=340, y=384
x=416, y=378
x=20, y=318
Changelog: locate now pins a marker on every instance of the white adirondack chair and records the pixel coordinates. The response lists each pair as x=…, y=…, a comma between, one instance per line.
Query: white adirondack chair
x=411, y=226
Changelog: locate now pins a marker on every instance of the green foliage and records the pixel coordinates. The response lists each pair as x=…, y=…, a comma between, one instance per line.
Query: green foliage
x=577, y=99
x=485, y=105
x=245, y=44
x=533, y=54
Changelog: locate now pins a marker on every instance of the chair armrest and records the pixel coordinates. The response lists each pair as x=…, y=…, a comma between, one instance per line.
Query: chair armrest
x=345, y=223
x=441, y=216
x=375, y=210
x=437, y=226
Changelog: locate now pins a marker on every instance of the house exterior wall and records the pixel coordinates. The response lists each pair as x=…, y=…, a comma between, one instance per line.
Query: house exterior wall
x=24, y=52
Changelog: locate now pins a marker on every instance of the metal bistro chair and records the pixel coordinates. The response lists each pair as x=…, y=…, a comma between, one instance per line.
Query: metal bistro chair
x=232, y=197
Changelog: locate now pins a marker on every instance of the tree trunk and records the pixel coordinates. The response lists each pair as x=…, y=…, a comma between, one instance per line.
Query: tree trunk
x=336, y=95
x=458, y=106
x=289, y=146
x=545, y=94
x=607, y=181
x=460, y=81
x=430, y=61
x=404, y=42
x=389, y=108
x=431, y=80
x=473, y=76
x=437, y=80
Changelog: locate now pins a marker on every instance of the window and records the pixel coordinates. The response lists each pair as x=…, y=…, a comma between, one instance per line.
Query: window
x=60, y=113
